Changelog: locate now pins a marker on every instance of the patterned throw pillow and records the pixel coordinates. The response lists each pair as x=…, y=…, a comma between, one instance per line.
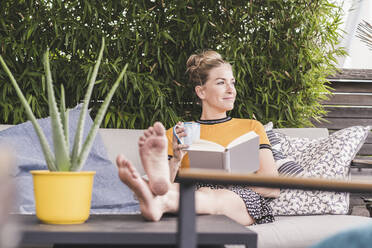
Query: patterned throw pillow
x=328, y=157
x=285, y=164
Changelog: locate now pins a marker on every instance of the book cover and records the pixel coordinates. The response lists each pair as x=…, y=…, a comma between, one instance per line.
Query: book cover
x=241, y=155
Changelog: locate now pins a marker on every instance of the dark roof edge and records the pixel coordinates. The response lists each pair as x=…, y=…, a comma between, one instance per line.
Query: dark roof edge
x=353, y=74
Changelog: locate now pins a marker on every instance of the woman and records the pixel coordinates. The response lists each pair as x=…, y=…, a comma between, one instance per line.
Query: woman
x=215, y=87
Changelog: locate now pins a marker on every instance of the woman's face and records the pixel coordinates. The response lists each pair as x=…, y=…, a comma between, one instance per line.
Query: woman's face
x=218, y=93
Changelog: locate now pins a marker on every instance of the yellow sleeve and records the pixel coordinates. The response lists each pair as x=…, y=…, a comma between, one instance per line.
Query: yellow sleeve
x=260, y=131
x=169, y=134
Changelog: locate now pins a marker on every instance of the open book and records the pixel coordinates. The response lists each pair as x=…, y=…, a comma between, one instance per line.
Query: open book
x=241, y=155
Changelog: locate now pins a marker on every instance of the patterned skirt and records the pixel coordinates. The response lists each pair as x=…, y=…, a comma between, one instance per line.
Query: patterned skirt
x=257, y=205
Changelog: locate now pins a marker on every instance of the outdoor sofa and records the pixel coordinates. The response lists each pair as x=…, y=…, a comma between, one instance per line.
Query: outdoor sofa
x=287, y=231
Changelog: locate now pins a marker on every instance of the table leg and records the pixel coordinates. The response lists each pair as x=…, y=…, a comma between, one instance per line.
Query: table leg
x=186, y=235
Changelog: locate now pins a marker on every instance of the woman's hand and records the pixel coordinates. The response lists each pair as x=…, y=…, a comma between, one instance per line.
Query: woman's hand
x=178, y=149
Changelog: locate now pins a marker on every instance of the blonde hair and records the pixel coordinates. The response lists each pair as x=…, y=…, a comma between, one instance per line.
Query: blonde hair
x=198, y=65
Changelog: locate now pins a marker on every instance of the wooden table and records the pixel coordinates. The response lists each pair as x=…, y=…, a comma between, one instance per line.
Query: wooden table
x=133, y=230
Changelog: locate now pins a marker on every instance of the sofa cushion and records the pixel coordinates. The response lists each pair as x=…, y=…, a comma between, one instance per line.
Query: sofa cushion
x=328, y=157
x=303, y=231
x=109, y=195
x=124, y=141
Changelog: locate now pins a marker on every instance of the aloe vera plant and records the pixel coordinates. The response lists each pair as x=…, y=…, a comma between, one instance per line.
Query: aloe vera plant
x=63, y=159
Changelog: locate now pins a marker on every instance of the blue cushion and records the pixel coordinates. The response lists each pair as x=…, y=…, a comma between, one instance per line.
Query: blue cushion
x=110, y=195
x=359, y=237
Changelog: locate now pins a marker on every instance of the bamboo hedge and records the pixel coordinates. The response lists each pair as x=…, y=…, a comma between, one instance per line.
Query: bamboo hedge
x=281, y=52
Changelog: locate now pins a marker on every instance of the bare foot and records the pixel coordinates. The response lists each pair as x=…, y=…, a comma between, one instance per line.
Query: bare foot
x=151, y=205
x=153, y=153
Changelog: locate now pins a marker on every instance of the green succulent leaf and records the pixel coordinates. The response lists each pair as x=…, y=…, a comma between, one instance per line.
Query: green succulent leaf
x=80, y=127
x=64, y=116
x=61, y=151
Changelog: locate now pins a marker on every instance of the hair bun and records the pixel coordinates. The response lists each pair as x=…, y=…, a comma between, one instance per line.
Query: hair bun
x=199, y=65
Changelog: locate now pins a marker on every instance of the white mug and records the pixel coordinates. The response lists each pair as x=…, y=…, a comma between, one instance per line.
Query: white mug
x=192, y=130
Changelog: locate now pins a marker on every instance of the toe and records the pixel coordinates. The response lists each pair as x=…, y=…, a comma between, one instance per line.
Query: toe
x=151, y=130
x=119, y=160
x=147, y=133
x=141, y=141
x=159, y=128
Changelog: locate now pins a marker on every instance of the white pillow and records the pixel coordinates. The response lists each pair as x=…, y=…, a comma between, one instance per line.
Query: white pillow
x=328, y=157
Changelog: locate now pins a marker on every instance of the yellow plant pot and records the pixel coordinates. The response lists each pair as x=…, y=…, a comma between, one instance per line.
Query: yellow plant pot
x=63, y=197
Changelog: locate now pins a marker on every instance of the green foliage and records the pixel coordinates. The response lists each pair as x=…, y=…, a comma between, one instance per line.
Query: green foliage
x=281, y=52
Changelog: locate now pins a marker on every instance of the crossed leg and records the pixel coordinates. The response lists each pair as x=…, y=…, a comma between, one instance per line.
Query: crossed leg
x=153, y=148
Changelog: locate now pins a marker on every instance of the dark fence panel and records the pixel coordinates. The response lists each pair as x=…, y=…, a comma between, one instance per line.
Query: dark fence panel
x=351, y=105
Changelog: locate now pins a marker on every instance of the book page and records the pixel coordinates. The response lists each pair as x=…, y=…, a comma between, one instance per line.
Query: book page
x=241, y=139
x=205, y=145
